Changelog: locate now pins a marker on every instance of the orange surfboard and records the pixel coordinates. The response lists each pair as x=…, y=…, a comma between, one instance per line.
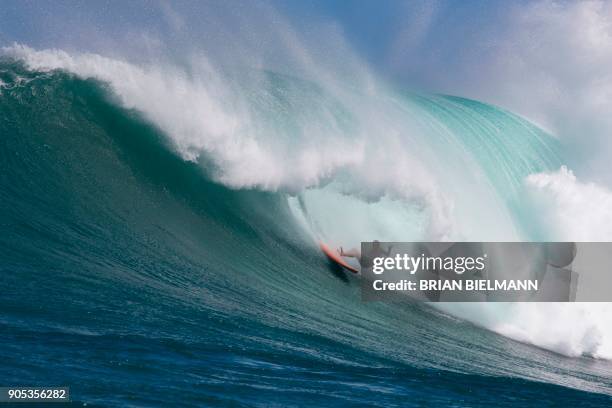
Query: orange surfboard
x=336, y=258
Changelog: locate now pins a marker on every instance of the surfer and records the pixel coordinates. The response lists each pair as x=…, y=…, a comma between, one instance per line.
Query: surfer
x=364, y=261
x=377, y=251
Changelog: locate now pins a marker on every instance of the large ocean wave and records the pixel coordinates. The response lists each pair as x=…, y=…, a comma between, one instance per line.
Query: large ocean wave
x=178, y=210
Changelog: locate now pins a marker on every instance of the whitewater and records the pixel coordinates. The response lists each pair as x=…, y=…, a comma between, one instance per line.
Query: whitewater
x=192, y=165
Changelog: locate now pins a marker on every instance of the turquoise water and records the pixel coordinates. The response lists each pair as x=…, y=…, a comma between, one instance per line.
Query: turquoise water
x=137, y=278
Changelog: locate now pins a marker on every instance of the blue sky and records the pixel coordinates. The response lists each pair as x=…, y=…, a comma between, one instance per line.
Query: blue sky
x=391, y=36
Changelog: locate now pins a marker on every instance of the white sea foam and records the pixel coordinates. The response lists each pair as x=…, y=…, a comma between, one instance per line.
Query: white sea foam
x=570, y=210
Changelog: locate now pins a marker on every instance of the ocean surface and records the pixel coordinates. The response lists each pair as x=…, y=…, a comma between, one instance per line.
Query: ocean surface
x=142, y=265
